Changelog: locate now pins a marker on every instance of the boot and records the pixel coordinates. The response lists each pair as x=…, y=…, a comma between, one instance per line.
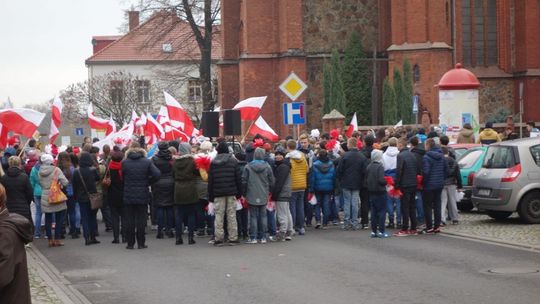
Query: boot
x=191, y=240
x=58, y=243
x=87, y=242
x=170, y=234
x=51, y=243
x=179, y=240
x=94, y=240
x=159, y=234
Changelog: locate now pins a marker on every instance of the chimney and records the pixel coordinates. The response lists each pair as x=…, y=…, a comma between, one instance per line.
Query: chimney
x=133, y=19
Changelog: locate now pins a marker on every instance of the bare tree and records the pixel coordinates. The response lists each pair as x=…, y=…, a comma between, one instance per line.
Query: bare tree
x=202, y=16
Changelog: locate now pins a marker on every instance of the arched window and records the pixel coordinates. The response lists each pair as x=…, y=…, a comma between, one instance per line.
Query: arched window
x=416, y=73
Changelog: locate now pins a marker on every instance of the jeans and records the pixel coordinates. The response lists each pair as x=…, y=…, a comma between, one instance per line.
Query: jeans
x=351, y=200
x=74, y=215
x=225, y=206
x=39, y=215
x=378, y=211
x=334, y=208
x=257, y=222
x=59, y=222
x=364, y=206
x=323, y=202
x=432, y=203
x=164, y=218
x=183, y=211
x=117, y=221
x=284, y=217
x=271, y=220
x=136, y=219
x=408, y=209
x=297, y=209
x=448, y=198
x=419, y=207
x=106, y=213
x=391, y=205
x=88, y=220
x=242, y=222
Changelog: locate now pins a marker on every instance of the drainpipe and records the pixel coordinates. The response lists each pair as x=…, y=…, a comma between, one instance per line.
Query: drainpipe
x=454, y=51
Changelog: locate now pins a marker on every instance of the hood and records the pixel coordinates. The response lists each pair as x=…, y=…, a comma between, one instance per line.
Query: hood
x=435, y=153
x=184, y=148
x=17, y=223
x=136, y=153
x=489, y=132
x=324, y=167
x=466, y=132
x=295, y=155
x=14, y=171
x=418, y=151
x=391, y=151
x=222, y=158
x=376, y=156
x=259, y=154
x=86, y=160
x=282, y=162
x=46, y=170
x=250, y=148
x=259, y=166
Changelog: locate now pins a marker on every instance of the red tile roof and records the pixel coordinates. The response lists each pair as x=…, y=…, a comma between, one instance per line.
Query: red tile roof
x=145, y=43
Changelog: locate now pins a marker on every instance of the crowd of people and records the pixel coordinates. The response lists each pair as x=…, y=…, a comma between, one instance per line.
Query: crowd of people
x=402, y=179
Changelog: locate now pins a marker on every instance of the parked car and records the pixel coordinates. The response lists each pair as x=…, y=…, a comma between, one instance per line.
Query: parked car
x=469, y=164
x=509, y=180
x=460, y=149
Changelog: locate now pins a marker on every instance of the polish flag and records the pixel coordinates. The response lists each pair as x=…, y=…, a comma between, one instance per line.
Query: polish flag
x=56, y=119
x=132, y=122
x=172, y=133
x=250, y=108
x=154, y=131
x=261, y=127
x=96, y=122
x=21, y=121
x=163, y=116
x=353, y=126
x=178, y=115
x=3, y=136
x=111, y=127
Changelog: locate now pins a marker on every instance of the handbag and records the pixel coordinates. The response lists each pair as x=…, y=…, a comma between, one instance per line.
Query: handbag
x=56, y=195
x=96, y=199
x=106, y=181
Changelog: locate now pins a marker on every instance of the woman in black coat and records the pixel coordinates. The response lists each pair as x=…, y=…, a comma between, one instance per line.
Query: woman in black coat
x=115, y=195
x=163, y=191
x=89, y=176
x=18, y=189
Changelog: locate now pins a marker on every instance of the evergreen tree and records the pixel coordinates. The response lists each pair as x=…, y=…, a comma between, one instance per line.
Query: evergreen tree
x=399, y=96
x=356, y=81
x=390, y=109
x=334, y=97
x=407, y=93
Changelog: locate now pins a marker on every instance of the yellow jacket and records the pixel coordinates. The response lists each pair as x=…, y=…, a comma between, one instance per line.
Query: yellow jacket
x=299, y=170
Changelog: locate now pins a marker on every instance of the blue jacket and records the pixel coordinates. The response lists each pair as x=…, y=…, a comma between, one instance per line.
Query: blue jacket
x=322, y=176
x=434, y=169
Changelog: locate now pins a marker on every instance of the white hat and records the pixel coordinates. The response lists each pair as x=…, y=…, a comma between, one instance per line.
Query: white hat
x=47, y=159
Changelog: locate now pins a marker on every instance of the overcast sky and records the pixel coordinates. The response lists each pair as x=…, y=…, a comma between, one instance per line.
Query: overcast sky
x=43, y=44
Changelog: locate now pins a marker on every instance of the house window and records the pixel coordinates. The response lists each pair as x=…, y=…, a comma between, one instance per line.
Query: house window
x=143, y=91
x=117, y=91
x=479, y=32
x=194, y=90
x=416, y=73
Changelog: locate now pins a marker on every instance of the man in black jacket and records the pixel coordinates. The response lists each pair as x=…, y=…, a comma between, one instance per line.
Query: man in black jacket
x=224, y=187
x=364, y=193
x=406, y=171
x=418, y=153
x=281, y=194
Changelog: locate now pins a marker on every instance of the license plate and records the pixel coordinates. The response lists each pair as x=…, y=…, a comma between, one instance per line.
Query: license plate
x=484, y=192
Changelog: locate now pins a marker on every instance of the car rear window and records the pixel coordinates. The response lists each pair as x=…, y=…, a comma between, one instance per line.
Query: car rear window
x=500, y=157
x=535, y=151
x=469, y=159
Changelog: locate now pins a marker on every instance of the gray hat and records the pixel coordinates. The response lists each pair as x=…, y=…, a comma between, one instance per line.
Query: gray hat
x=376, y=156
x=258, y=154
x=184, y=148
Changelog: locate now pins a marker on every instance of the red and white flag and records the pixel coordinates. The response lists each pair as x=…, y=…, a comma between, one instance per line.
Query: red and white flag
x=111, y=127
x=96, y=122
x=250, y=108
x=163, y=116
x=178, y=115
x=21, y=121
x=353, y=126
x=154, y=131
x=56, y=119
x=172, y=133
x=261, y=127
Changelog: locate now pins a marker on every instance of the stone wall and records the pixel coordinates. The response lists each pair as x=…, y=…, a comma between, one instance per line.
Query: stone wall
x=494, y=95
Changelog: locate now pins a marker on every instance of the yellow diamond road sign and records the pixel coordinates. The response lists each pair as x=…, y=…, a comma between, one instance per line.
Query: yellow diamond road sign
x=293, y=86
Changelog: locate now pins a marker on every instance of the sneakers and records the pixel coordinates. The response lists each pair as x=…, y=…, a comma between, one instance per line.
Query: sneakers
x=373, y=234
x=412, y=232
x=252, y=241
x=365, y=226
x=234, y=243
x=402, y=233
x=263, y=241
x=456, y=222
x=272, y=238
x=383, y=235
x=318, y=226
x=218, y=243
x=302, y=231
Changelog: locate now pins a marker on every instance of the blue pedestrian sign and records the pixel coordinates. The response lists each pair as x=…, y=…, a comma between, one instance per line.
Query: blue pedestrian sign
x=294, y=113
x=79, y=131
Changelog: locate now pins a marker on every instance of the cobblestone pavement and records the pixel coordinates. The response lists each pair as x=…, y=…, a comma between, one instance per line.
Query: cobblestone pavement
x=511, y=230
x=41, y=292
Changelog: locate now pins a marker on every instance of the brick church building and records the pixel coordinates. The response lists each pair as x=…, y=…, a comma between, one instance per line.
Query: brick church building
x=265, y=40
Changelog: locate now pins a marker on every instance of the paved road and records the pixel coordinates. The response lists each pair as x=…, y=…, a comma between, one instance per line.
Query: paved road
x=328, y=266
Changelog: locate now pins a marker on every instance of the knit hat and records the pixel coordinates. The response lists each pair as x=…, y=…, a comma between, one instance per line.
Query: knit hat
x=280, y=151
x=376, y=156
x=258, y=154
x=222, y=148
x=206, y=146
x=47, y=159
x=489, y=124
x=184, y=148
x=163, y=145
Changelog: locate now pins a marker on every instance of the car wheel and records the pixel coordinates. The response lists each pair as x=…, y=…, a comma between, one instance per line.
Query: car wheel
x=465, y=206
x=498, y=215
x=529, y=208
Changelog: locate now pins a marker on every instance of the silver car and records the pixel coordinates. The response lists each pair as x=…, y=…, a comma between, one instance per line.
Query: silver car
x=509, y=180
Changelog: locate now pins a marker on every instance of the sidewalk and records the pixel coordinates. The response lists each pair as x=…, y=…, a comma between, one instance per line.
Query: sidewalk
x=47, y=285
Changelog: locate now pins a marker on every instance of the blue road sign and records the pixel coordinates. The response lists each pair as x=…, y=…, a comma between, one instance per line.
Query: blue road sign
x=79, y=131
x=294, y=113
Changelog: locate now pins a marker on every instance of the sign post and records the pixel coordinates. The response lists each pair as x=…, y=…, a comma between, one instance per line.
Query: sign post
x=293, y=113
x=521, y=109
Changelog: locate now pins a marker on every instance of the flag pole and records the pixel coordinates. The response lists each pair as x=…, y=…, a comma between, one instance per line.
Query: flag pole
x=247, y=132
x=25, y=144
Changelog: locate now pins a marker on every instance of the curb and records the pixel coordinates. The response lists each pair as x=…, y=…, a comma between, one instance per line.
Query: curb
x=492, y=240
x=53, y=278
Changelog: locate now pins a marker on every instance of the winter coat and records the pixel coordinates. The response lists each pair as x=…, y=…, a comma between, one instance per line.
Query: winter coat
x=257, y=182
x=202, y=185
x=34, y=181
x=434, y=169
x=453, y=176
x=139, y=173
x=163, y=189
x=29, y=165
x=366, y=151
x=406, y=170
x=281, y=192
x=351, y=170
x=299, y=170
x=15, y=232
x=488, y=136
x=19, y=192
x=375, y=178
x=185, y=180
x=115, y=192
x=90, y=177
x=466, y=136
x=419, y=155
x=322, y=177
x=46, y=175
x=390, y=161
x=224, y=178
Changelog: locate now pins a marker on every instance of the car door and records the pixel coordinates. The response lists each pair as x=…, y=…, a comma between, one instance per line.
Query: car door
x=495, y=177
